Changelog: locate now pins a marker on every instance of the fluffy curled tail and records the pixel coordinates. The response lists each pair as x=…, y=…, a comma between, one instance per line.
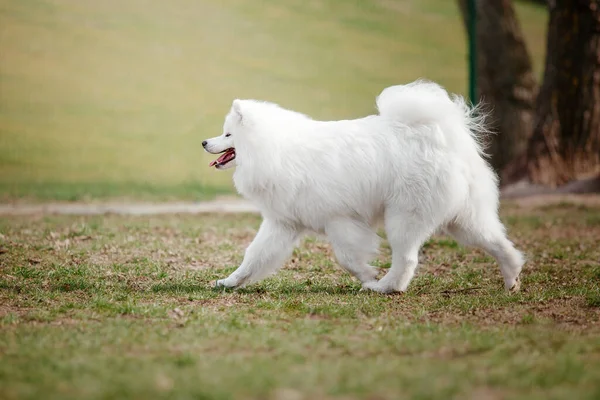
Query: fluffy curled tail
x=427, y=103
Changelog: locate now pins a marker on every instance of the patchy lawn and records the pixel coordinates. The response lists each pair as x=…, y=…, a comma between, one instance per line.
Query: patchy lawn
x=116, y=307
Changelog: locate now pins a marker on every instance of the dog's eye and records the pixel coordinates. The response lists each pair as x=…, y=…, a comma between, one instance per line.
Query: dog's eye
x=229, y=134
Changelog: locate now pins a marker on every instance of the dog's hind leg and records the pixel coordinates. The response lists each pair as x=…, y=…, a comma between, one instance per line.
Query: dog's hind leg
x=490, y=236
x=406, y=233
x=354, y=244
x=478, y=225
x=268, y=251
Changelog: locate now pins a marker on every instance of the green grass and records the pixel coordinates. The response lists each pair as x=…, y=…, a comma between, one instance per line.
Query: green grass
x=102, y=94
x=87, y=191
x=123, y=307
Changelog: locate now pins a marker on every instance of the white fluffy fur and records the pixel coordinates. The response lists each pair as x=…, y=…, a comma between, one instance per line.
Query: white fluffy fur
x=418, y=167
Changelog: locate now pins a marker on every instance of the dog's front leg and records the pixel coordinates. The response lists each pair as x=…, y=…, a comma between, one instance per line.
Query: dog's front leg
x=268, y=251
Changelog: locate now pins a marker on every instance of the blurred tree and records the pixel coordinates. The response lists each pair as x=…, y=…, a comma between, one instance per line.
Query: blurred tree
x=565, y=145
x=505, y=78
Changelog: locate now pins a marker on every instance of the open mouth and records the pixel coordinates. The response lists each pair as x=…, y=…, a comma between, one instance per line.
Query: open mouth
x=226, y=157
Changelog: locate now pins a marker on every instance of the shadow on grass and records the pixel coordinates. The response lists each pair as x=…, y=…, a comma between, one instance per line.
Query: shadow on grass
x=301, y=288
x=182, y=288
x=291, y=289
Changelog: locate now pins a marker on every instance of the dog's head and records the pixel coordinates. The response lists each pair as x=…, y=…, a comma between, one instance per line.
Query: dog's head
x=225, y=144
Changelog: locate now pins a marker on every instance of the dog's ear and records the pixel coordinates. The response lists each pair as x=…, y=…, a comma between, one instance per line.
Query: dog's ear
x=237, y=109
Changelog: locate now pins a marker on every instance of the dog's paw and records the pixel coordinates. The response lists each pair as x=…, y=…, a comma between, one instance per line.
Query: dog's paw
x=223, y=284
x=516, y=286
x=376, y=286
x=370, y=275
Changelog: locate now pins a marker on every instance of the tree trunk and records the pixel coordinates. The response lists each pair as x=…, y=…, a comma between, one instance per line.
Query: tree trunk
x=565, y=144
x=506, y=81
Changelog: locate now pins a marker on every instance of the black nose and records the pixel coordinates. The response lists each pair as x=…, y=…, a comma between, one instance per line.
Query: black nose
x=204, y=144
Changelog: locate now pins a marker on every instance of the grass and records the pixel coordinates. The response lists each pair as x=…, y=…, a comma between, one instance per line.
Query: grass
x=97, y=191
x=122, y=307
x=95, y=96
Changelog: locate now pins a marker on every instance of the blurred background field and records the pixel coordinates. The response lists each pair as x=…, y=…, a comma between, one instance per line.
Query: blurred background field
x=113, y=98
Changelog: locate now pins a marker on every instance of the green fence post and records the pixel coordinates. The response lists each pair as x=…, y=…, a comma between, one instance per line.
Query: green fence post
x=472, y=21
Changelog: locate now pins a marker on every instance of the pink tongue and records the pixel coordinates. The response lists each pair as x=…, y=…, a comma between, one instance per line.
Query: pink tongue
x=221, y=158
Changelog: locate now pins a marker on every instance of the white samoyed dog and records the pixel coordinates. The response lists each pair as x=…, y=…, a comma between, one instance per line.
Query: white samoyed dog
x=418, y=167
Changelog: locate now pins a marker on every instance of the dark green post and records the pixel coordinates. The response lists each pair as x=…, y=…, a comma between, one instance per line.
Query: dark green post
x=472, y=23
